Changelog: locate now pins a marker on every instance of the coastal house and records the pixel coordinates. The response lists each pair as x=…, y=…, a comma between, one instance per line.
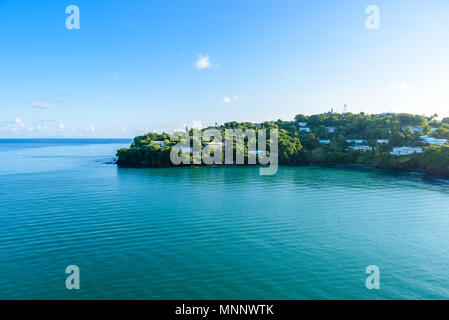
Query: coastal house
x=331, y=129
x=433, y=141
x=433, y=129
x=356, y=141
x=383, y=141
x=258, y=152
x=325, y=141
x=415, y=129
x=215, y=145
x=405, y=151
x=303, y=127
x=159, y=143
x=361, y=148
x=185, y=149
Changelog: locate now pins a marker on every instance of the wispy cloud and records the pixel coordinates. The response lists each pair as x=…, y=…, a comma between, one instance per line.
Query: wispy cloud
x=63, y=96
x=402, y=86
x=42, y=105
x=233, y=99
x=203, y=62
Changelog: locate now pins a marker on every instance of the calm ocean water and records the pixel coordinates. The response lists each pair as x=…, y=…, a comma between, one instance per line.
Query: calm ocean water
x=213, y=233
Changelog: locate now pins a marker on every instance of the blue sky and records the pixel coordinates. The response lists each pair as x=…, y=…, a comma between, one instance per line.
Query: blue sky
x=136, y=66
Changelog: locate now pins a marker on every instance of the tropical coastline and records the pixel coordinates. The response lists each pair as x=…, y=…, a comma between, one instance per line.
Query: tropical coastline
x=403, y=142
x=224, y=159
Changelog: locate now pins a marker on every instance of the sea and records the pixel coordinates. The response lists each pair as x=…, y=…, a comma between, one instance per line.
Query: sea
x=308, y=232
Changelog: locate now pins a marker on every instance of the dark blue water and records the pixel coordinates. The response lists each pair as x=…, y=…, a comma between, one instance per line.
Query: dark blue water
x=213, y=233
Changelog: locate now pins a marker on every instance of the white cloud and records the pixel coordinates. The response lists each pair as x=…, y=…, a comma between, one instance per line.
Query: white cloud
x=203, y=62
x=226, y=100
x=61, y=126
x=233, y=99
x=401, y=87
x=91, y=128
x=42, y=105
x=16, y=126
x=20, y=123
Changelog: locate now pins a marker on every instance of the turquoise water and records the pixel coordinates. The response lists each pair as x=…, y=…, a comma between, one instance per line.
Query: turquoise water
x=214, y=233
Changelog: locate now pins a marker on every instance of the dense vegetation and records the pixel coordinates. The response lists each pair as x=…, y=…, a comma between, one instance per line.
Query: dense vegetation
x=299, y=147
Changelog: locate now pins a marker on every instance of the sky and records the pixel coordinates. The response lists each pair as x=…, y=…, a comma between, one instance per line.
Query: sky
x=141, y=66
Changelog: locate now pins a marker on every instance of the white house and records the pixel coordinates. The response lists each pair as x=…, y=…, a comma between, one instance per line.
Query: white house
x=302, y=124
x=159, y=143
x=258, y=152
x=331, y=129
x=383, y=141
x=215, y=145
x=185, y=149
x=304, y=129
x=356, y=141
x=404, y=151
x=433, y=129
x=434, y=141
x=361, y=148
x=325, y=141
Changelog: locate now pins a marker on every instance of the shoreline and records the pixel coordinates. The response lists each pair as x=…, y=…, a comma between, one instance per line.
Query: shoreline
x=430, y=173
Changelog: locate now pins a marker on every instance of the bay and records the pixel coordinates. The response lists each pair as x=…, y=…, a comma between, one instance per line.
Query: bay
x=214, y=233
